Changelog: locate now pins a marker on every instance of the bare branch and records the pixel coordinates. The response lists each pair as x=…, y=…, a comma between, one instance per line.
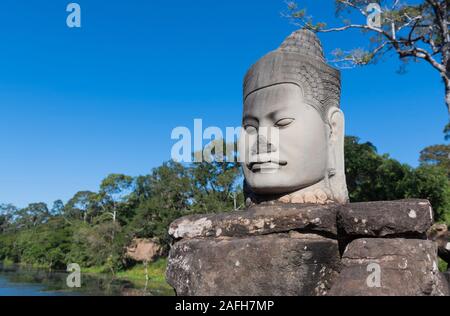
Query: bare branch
x=419, y=31
x=414, y=52
x=350, y=4
x=396, y=3
x=357, y=57
x=422, y=54
x=441, y=18
x=379, y=48
x=430, y=41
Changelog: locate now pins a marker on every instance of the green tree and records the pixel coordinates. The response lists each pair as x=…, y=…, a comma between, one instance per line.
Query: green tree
x=431, y=183
x=217, y=180
x=167, y=196
x=32, y=215
x=102, y=245
x=57, y=208
x=370, y=176
x=82, y=206
x=114, y=190
x=7, y=212
x=45, y=244
x=438, y=155
x=374, y=177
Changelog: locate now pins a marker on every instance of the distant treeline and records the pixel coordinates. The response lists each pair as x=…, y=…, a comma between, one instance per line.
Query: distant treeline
x=94, y=228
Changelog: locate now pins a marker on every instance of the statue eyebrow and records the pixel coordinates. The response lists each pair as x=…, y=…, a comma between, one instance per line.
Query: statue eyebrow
x=249, y=117
x=272, y=115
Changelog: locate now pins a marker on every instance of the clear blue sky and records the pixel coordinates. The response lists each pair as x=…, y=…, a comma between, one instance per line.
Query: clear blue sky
x=78, y=104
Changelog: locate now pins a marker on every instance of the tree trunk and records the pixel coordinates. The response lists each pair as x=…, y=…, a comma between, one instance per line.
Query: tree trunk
x=147, y=278
x=447, y=93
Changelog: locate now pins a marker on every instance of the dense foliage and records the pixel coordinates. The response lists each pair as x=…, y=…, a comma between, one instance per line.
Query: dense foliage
x=374, y=177
x=94, y=228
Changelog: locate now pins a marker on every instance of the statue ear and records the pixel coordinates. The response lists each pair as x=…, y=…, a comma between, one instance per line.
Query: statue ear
x=336, y=161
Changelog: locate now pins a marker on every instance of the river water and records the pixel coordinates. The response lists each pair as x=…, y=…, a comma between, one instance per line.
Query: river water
x=19, y=281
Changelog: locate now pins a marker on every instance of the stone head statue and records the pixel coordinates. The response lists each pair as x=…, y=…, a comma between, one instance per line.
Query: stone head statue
x=293, y=129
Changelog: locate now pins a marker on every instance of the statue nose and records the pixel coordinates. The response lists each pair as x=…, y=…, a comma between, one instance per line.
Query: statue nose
x=263, y=146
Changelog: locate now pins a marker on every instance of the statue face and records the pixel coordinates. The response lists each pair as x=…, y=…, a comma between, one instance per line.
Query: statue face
x=295, y=158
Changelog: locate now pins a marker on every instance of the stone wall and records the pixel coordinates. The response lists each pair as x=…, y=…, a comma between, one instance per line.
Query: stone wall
x=377, y=248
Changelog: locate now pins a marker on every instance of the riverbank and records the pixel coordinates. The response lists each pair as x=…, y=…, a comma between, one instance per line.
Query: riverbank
x=135, y=281
x=155, y=272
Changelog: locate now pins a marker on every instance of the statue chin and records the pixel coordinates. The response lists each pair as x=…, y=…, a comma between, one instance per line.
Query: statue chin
x=275, y=189
x=276, y=184
x=302, y=193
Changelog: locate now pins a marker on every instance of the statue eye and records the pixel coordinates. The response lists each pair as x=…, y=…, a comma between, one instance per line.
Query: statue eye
x=250, y=129
x=284, y=122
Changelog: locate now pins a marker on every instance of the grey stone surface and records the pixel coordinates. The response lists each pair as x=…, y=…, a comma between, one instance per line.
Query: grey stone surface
x=406, y=218
x=259, y=220
x=293, y=89
x=408, y=267
x=276, y=265
x=292, y=249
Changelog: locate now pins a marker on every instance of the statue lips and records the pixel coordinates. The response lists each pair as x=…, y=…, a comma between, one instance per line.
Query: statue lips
x=268, y=165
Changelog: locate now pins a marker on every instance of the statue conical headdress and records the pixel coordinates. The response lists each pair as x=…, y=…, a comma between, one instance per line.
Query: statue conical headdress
x=300, y=61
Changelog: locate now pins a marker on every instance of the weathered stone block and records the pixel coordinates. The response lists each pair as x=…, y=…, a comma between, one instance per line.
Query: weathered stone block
x=406, y=267
x=404, y=219
x=259, y=220
x=292, y=249
x=279, y=264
